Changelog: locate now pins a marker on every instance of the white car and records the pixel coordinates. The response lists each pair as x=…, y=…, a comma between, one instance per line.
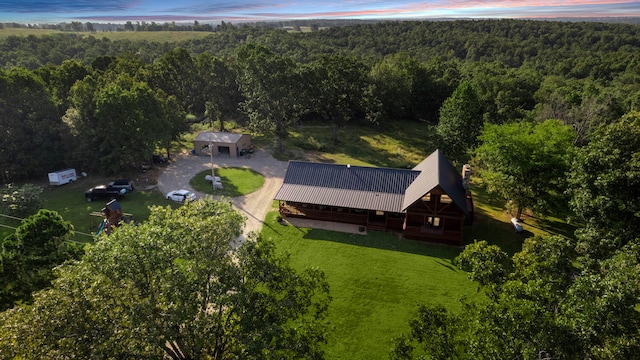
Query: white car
x=181, y=195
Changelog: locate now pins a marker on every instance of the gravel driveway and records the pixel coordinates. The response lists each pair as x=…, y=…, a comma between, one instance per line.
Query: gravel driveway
x=254, y=206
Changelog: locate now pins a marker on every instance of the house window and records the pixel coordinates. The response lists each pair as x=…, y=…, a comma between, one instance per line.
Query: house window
x=445, y=199
x=379, y=213
x=426, y=197
x=433, y=222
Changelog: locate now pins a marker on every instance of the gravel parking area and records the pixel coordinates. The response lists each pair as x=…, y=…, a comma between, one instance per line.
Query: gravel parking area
x=254, y=206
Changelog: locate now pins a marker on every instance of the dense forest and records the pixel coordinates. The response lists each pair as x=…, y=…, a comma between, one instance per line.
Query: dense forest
x=547, y=112
x=580, y=73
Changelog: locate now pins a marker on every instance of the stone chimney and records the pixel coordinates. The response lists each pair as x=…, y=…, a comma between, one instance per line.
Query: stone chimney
x=466, y=176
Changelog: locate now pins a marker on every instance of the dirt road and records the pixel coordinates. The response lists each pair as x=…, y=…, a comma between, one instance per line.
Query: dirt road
x=254, y=206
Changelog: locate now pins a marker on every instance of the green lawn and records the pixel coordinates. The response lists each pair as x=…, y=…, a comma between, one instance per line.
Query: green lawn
x=69, y=201
x=376, y=280
x=235, y=181
x=398, y=144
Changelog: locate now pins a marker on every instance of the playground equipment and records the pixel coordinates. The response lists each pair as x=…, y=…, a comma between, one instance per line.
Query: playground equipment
x=112, y=217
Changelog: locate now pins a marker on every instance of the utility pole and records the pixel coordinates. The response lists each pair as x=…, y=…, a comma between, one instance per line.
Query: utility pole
x=213, y=178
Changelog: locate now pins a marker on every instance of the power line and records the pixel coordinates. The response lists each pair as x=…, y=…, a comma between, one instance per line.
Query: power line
x=20, y=219
x=12, y=217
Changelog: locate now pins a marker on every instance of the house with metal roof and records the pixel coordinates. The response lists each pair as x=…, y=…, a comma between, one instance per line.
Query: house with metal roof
x=222, y=143
x=429, y=202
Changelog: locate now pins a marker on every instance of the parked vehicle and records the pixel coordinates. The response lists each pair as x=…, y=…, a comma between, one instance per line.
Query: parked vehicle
x=181, y=195
x=104, y=192
x=126, y=184
x=62, y=177
x=159, y=159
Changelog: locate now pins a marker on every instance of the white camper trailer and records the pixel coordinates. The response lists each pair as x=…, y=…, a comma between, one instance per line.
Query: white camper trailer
x=62, y=177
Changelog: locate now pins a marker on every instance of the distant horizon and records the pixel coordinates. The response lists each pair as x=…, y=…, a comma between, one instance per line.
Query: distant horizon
x=241, y=11
x=609, y=19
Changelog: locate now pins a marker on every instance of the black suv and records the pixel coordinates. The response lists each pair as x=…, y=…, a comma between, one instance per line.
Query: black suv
x=159, y=159
x=126, y=184
x=104, y=192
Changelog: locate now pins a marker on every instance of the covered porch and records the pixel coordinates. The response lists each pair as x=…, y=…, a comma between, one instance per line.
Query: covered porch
x=371, y=219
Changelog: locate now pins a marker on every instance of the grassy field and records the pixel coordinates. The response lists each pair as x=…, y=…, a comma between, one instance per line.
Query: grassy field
x=151, y=36
x=376, y=280
x=236, y=181
x=400, y=144
x=70, y=202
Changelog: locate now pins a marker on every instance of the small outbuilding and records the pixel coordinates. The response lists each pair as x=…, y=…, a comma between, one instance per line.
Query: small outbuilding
x=222, y=143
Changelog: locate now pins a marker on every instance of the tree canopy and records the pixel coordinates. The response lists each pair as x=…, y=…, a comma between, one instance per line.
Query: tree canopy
x=271, y=86
x=28, y=256
x=604, y=183
x=173, y=286
x=460, y=123
x=525, y=163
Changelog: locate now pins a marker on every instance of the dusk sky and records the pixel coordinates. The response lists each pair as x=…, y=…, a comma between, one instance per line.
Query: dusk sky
x=205, y=11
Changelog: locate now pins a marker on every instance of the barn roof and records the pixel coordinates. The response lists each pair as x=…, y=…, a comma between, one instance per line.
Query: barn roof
x=218, y=137
x=370, y=188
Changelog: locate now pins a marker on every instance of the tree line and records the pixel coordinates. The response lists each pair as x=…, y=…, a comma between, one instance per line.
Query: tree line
x=372, y=73
x=550, y=127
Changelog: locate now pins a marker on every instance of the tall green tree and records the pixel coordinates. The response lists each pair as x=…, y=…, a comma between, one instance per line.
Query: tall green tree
x=174, y=287
x=525, y=163
x=177, y=74
x=120, y=120
x=395, y=78
x=174, y=120
x=271, y=85
x=60, y=79
x=29, y=124
x=582, y=104
x=28, y=256
x=604, y=184
x=221, y=88
x=339, y=89
x=133, y=122
x=506, y=94
x=460, y=123
x=487, y=264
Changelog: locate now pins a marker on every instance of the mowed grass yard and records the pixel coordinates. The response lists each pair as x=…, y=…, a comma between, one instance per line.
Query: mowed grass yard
x=69, y=201
x=237, y=181
x=377, y=280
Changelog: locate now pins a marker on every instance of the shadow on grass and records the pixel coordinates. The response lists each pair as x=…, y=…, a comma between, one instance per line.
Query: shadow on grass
x=384, y=241
x=551, y=226
x=286, y=232
x=365, y=144
x=495, y=232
